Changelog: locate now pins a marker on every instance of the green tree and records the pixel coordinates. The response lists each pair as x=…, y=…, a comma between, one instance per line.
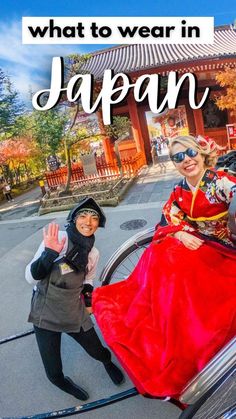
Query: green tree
x=60, y=124
x=74, y=64
x=48, y=129
x=74, y=134
x=117, y=131
x=24, y=125
x=10, y=105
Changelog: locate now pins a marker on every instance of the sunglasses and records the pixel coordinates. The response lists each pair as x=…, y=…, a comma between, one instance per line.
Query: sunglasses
x=179, y=157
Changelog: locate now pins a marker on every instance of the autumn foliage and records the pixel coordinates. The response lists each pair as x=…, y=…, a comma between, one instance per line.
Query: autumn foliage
x=227, y=79
x=16, y=151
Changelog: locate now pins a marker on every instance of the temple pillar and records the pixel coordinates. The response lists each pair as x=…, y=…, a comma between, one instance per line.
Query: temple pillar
x=106, y=141
x=134, y=118
x=199, y=123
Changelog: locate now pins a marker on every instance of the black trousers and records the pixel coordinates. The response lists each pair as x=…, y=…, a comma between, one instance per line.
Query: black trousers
x=49, y=344
x=8, y=196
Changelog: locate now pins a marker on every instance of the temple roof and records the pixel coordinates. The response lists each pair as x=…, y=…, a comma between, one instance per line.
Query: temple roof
x=133, y=58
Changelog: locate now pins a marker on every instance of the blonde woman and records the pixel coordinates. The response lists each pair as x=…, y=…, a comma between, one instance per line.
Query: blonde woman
x=178, y=307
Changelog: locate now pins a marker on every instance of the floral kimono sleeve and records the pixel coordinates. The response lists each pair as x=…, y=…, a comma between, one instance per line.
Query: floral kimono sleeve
x=225, y=187
x=173, y=219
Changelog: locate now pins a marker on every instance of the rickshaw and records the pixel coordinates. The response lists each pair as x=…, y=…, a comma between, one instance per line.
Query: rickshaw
x=212, y=393
x=209, y=395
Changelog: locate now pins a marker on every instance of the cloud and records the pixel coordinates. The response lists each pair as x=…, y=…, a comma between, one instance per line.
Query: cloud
x=28, y=66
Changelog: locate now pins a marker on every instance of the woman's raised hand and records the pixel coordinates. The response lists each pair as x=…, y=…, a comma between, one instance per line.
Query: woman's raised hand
x=50, y=238
x=189, y=241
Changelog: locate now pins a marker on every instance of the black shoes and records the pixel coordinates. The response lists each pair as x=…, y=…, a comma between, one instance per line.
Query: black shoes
x=67, y=385
x=114, y=373
x=70, y=387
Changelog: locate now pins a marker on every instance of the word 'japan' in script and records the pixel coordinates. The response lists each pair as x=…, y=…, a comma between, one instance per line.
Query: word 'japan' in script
x=80, y=88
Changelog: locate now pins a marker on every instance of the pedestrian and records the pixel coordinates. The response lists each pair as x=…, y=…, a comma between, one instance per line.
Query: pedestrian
x=6, y=188
x=154, y=152
x=63, y=270
x=161, y=162
x=177, y=309
x=159, y=146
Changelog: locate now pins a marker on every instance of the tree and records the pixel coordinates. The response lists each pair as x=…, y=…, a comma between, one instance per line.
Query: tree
x=24, y=125
x=60, y=123
x=227, y=79
x=48, y=129
x=73, y=65
x=45, y=128
x=74, y=134
x=24, y=129
x=10, y=105
x=117, y=131
x=14, y=153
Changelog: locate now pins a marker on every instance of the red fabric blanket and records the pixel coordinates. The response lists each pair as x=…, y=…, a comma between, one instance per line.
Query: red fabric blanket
x=171, y=316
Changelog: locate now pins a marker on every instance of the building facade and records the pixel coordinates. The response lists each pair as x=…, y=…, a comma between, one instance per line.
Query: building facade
x=204, y=61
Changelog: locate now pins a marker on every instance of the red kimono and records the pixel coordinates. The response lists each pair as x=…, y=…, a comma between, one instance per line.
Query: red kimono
x=178, y=307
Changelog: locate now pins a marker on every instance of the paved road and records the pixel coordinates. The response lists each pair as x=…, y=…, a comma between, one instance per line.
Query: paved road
x=23, y=206
x=24, y=390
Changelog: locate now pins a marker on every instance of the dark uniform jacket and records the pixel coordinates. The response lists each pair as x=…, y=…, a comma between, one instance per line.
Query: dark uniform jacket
x=57, y=303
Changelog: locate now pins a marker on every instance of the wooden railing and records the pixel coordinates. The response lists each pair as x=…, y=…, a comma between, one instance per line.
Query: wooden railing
x=105, y=171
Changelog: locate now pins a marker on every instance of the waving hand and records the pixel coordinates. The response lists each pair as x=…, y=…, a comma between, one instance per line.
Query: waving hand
x=51, y=239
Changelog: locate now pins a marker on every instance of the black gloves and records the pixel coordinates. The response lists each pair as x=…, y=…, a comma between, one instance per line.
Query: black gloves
x=87, y=293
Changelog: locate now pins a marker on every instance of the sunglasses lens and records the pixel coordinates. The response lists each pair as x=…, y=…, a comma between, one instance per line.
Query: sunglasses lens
x=178, y=157
x=191, y=153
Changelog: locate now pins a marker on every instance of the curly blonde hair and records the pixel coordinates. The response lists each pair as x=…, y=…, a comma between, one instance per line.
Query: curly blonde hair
x=207, y=149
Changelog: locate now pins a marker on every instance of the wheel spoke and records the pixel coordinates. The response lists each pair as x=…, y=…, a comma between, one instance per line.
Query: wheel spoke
x=126, y=266
x=125, y=259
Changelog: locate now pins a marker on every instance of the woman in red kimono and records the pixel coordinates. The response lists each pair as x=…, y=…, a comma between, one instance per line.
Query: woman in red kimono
x=178, y=307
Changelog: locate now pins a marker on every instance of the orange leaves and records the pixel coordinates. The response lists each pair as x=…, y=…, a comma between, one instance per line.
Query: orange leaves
x=227, y=79
x=17, y=150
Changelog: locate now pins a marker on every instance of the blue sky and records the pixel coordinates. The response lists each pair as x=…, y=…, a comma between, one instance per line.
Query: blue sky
x=29, y=65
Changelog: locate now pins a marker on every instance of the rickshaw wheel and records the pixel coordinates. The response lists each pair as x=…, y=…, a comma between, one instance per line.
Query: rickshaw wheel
x=124, y=260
